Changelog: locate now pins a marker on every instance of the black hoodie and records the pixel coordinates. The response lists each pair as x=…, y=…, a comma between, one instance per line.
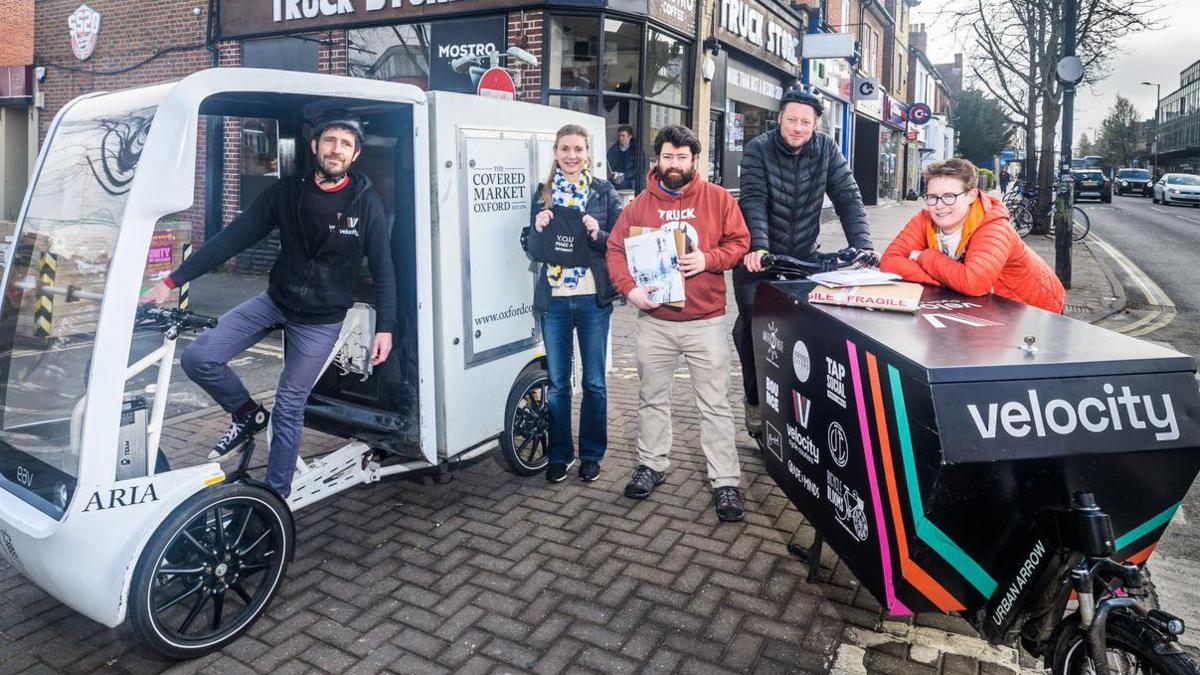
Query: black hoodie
x=311, y=286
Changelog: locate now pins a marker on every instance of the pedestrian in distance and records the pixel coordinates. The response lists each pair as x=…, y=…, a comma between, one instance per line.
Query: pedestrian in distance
x=327, y=221
x=786, y=174
x=963, y=240
x=678, y=199
x=622, y=160
x=573, y=297
x=1004, y=179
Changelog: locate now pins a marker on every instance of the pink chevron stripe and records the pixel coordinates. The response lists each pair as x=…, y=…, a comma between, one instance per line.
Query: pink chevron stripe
x=894, y=606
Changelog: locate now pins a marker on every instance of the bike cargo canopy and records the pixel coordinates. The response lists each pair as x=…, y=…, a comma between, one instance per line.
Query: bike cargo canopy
x=924, y=447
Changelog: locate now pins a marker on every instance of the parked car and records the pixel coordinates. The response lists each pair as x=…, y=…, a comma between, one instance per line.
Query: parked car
x=1134, y=181
x=1092, y=184
x=1177, y=188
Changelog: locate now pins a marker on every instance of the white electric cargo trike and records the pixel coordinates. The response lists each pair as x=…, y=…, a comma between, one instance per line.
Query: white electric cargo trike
x=106, y=499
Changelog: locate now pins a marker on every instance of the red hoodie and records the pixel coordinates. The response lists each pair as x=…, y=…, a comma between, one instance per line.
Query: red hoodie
x=714, y=224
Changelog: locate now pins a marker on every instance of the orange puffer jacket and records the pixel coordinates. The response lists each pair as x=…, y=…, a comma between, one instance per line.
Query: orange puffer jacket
x=992, y=258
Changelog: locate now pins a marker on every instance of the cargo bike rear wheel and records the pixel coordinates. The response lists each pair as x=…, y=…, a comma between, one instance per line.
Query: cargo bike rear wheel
x=527, y=422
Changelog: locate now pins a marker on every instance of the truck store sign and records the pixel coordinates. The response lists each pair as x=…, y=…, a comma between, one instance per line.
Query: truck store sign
x=755, y=29
x=241, y=18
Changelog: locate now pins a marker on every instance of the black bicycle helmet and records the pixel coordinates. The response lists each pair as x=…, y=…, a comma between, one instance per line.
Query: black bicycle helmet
x=339, y=118
x=802, y=95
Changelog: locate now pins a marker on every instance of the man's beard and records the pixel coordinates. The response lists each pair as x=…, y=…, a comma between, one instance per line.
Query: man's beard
x=326, y=176
x=675, y=179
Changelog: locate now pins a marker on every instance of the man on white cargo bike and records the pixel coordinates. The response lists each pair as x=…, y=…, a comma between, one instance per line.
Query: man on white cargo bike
x=326, y=223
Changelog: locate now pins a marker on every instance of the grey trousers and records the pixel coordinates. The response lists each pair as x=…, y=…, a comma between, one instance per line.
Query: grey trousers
x=307, y=346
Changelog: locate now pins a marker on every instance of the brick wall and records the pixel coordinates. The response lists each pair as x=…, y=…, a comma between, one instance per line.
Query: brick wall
x=332, y=56
x=16, y=49
x=525, y=31
x=133, y=37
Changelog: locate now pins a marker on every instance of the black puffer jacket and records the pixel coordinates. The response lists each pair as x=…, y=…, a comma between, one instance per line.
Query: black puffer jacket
x=782, y=194
x=603, y=204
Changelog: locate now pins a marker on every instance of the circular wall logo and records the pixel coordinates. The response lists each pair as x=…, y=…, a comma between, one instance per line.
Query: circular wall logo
x=839, y=447
x=800, y=361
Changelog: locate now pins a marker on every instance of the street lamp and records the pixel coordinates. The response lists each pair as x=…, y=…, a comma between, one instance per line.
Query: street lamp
x=1157, y=99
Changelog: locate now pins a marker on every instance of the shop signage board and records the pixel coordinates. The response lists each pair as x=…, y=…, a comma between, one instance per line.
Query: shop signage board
x=866, y=89
x=919, y=113
x=678, y=14
x=240, y=18
x=450, y=40
x=895, y=112
x=763, y=30
x=244, y=18
x=749, y=85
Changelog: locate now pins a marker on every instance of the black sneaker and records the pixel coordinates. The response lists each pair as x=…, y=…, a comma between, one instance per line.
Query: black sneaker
x=729, y=504
x=240, y=431
x=643, y=482
x=557, y=472
x=589, y=470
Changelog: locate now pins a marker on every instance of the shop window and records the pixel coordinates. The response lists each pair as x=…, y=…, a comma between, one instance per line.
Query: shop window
x=657, y=117
x=282, y=53
x=260, y=157
x=622, y=52
x=622, y=114
x=667, y=72
x=574, y=49
x=583, y=104
x=753, y=121
x=391, y=53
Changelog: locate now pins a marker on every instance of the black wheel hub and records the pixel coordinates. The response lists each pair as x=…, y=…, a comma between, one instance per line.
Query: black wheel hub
x=219, y=565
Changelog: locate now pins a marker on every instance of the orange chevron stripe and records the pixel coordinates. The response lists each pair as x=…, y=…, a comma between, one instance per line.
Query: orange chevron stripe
x=1141, y=556
x=910, y=570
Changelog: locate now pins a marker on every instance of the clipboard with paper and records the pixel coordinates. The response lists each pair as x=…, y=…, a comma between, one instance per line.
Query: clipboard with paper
x=653, y=255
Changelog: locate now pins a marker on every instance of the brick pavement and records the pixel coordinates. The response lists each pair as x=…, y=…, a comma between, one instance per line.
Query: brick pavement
x=494, y=573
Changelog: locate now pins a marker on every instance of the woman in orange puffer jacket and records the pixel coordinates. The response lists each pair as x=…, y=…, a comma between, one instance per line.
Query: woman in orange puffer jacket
x=963, y=240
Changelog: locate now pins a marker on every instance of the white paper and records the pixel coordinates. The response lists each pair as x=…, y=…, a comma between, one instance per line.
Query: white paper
x=855, y=277
x=654, y=261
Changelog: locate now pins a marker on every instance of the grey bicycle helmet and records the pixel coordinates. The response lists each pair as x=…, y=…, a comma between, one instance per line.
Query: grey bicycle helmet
x=342, y=119
x=802, y=95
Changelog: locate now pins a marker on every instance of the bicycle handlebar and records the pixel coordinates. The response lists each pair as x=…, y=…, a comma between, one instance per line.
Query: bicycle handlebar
x=821, y=262
x=172, y=319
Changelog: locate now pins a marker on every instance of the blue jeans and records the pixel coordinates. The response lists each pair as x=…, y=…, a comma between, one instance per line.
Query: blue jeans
x=566, y=317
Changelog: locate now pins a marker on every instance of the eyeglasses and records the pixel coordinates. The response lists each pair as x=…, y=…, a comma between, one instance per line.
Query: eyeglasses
x=948, y=199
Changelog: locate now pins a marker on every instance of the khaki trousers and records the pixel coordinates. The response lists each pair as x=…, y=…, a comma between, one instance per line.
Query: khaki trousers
x=704, y=346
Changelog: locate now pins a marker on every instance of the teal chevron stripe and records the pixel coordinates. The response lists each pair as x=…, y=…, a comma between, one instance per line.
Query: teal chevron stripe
x=1141, y=530
x=927, y=531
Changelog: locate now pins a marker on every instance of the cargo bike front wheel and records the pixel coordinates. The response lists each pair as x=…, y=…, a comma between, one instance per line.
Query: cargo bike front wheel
x=1133, y=646
x=210, y=570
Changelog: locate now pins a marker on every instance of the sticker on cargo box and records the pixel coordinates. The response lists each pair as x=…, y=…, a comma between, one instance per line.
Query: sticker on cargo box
x=774, y=440
x=835, y=381
x=774, y=344
x=847, y=506
x=801, y=363
x=839, y=446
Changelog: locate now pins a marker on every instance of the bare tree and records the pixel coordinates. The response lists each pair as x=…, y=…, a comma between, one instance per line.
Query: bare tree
x=1015, y=48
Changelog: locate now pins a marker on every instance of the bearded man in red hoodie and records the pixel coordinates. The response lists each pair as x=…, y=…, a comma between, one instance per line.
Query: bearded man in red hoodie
x=677, y=198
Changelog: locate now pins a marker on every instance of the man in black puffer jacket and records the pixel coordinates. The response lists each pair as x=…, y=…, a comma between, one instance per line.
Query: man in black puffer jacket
x=786, y=173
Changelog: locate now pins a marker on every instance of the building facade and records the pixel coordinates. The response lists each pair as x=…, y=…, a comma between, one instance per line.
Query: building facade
x=1179, y=124
x=758, y=59
x=18, y=114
